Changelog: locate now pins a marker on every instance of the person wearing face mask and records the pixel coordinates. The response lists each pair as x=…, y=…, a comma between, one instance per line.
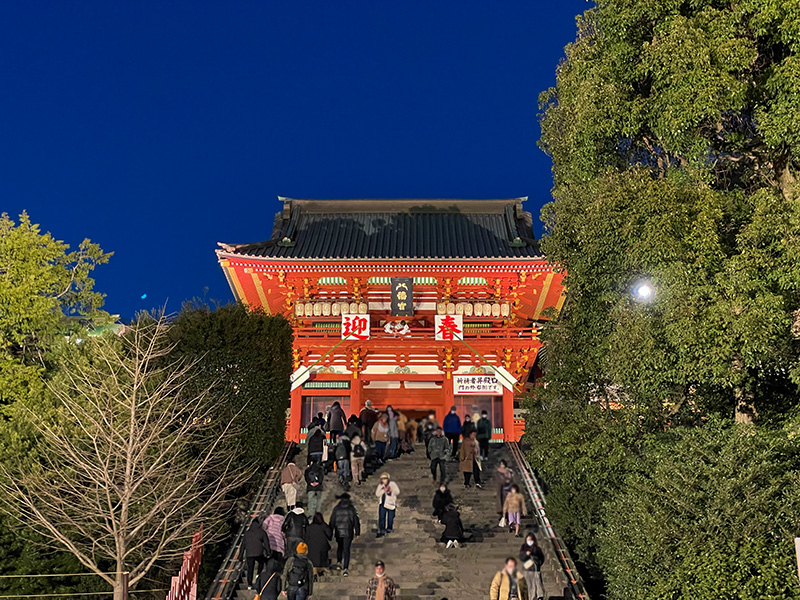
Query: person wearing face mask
x=438, y=452
x=441, y=500
x=381, y=587
x=532, y=559
x=509, y=584
x=452, y=430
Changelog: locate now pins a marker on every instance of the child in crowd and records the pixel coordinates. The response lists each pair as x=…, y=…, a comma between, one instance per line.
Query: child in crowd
x=514, y=507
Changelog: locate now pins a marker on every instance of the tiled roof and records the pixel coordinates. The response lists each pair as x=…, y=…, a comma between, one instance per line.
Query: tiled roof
x=397, y=229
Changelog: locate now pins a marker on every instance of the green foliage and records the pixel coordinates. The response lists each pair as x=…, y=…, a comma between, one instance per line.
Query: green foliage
x=46, y=296
x=672, y=129
x=245, y=359
x=712, y=515
x=584, y=456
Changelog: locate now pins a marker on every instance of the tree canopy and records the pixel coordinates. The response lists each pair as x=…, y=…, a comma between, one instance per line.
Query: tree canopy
x=673, y=129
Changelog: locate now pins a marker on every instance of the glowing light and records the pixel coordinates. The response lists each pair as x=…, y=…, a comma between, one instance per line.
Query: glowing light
x=643, y=291
x=143, y=296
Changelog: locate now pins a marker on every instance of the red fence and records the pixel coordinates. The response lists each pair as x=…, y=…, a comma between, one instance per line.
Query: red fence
x=184, y=585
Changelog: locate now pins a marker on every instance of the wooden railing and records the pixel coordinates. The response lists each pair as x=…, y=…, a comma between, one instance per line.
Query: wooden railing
x=229, y=574
x=184, y=585
x=576, y=588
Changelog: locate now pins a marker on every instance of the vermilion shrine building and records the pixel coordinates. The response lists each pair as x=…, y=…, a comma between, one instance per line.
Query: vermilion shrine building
x=410, y=271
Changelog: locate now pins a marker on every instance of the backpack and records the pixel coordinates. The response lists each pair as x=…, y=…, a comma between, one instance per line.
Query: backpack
x=341, y=452
x=297, y=574
x=358, y=451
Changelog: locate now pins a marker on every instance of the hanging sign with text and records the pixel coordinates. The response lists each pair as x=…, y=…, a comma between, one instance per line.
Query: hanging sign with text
x=477, y=385
x=355, y=327
x=402, y=296
x=449, y=327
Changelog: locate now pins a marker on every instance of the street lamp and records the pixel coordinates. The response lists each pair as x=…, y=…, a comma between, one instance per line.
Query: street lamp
x=643, y=291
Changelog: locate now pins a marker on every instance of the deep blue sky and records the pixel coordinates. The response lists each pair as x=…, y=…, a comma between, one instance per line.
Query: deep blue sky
x=157, y=129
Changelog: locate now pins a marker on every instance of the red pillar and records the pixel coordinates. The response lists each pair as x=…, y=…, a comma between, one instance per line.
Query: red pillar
x=509, y=435
x=447, y=398
x=295, y=414
x=355, y=396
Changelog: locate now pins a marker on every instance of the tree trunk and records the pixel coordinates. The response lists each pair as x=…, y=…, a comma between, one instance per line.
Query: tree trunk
x=745, y=407
x=121, y=585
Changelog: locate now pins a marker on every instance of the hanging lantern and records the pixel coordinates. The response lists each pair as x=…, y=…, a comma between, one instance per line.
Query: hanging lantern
x=460, y=308
x=317, y=309
x=451, y=308
x=363, y=308
x=467, y=309
x=326, y=309
x=298, y=309
x=309, y=309
x=353, y=308
x=335, y=309
x=487, y=309
x=505, y=309
x=344, y=308
x=496, y=310
x=477, y=309
x=441, y=308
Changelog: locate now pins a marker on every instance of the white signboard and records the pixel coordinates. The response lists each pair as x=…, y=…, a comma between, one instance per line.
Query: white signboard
x=355, y=327
x=449, y=327
x=477, y=385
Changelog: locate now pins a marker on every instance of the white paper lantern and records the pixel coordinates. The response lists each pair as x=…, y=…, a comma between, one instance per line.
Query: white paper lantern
x=468, y=309
x=487, y=309
x=460, y=308
x=505, y=309
x=496, y=310
x=335, y=309
x=441, y=308
x=326, y=309
x=354, y=308
x=478, y=309
x=317, y=309
x=451, y=308
x=363, y=308
x=309, y=309
x=299, y=309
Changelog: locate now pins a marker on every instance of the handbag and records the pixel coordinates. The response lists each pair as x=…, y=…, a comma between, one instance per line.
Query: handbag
x=502, y=522
x=258, y=595
x=528, y=564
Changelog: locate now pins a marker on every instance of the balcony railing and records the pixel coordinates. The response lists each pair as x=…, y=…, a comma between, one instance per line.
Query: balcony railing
x=332, y=330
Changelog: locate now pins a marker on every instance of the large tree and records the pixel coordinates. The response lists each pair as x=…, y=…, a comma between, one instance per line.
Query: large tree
x=673, y=129
x=132, y=460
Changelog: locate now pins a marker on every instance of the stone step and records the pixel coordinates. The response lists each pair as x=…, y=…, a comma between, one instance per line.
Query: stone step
x=415, y=559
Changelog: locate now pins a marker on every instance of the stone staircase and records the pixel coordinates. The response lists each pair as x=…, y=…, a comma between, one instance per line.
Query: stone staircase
x=414, y=557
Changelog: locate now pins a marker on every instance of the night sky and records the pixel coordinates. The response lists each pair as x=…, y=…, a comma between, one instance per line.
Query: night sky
x=158, y=129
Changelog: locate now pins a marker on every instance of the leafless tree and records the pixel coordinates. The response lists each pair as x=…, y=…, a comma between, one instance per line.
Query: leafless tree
x=123, y=475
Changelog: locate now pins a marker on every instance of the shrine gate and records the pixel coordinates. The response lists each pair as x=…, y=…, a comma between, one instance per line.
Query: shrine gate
x=421, y=304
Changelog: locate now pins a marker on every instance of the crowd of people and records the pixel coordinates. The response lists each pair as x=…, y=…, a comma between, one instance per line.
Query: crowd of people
x=290, y=549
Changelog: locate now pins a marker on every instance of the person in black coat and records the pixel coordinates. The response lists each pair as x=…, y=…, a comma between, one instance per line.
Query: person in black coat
x=346, y=525
x=468, y=427
x=453, y=528
x=318, y=538
x=268, y=583
x=441, y=500
x=315, y=442
x=256, y=549
x=294, y=528
x=531, y=559
x=336, y=421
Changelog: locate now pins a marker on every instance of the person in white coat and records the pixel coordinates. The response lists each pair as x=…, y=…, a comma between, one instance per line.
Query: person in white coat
x=387, y=493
